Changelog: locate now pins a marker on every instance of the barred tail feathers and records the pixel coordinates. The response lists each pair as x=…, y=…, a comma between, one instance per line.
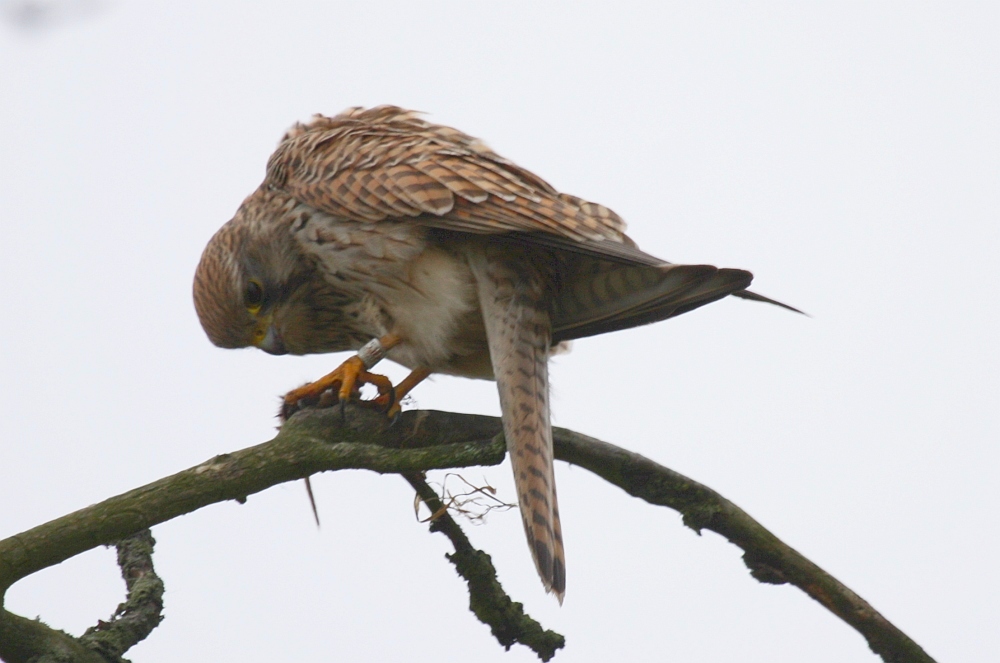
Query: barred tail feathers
x=513, y=297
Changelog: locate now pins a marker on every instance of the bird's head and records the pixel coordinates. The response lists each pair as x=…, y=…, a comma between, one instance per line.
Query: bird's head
x=253, y=287
x=236, y=294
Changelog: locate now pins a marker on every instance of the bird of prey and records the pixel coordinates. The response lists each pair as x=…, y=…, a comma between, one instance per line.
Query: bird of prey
x=380, y=232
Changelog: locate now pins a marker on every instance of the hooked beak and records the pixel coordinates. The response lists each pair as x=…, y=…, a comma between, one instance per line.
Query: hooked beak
x=271, y=342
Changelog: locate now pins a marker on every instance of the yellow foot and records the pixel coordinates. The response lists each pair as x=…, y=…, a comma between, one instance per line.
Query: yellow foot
x=391, y=402
x=344, y=382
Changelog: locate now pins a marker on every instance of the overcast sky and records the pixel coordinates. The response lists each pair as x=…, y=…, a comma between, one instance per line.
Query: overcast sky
x=846, y=153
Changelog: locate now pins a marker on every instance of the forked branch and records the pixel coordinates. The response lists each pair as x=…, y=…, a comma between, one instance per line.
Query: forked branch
x=317, y=440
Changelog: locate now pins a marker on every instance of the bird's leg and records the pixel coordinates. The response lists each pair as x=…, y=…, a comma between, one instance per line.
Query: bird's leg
x=348, y=375
x=392, y=401
x=346, y=378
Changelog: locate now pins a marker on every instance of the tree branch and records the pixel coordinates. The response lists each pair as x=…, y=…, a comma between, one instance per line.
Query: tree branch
x=142, y=610
x=487, y=599
x=29, y=640
x=769, y=559
x=332, y=439
x=313, y=441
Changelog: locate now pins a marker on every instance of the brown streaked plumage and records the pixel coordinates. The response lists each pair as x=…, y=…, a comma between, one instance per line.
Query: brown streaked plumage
x=376, y=224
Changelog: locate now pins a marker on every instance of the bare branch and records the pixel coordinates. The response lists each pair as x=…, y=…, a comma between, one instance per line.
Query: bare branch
x=487, y=599
x=31, y=641
x=321, y=440
x=313, y=441
x=769, y=559
x=142, y=610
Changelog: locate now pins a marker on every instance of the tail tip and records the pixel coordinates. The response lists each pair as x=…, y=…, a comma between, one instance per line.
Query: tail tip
x=551, y=569
x=557, y=583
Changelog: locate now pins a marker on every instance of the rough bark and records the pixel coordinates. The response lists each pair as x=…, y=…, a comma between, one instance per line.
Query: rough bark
x=487, y=599
x=142, y=610
x=357, y=438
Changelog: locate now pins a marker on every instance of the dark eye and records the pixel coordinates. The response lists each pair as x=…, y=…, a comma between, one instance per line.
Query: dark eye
x=253, y=295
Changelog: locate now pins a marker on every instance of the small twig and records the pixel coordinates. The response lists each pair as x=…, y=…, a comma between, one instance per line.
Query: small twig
x=142, y=610
x=474, y=504
x=312, y=500
x=487, y=599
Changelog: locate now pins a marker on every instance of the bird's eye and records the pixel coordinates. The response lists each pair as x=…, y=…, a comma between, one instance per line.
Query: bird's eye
x=253, y=296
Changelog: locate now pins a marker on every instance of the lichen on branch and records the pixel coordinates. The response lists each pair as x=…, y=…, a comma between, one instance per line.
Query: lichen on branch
x=353, y=437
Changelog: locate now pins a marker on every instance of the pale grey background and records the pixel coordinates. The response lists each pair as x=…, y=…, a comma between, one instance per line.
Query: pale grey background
x=846, y=153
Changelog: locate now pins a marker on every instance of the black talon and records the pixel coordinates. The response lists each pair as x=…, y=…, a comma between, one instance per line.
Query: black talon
x=286, y=411
x=392, y=400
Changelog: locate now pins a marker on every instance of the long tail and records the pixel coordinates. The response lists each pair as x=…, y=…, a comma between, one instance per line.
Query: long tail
x=513, y=296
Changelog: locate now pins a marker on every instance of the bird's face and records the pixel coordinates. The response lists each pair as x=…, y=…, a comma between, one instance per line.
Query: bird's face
x=236, y=295
x=253, y=287
x=261, y=307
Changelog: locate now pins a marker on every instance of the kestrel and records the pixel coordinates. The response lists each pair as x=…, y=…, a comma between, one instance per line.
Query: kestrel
x=380, y=232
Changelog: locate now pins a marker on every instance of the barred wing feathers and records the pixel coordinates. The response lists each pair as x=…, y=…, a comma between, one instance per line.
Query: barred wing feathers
x=388, y=163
